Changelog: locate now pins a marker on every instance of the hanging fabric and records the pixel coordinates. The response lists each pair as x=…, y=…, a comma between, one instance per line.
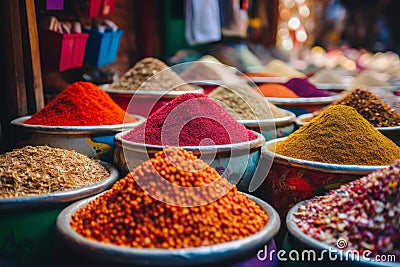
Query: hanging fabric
x=203, y=23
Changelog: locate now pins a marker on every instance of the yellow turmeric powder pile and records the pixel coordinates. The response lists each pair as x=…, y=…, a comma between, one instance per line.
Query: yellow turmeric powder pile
x=340, y=135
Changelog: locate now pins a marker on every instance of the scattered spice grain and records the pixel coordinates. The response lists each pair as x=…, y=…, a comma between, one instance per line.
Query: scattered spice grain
x=162, y=78
x=190, y=120
x=81, y=104
x=39, y=170
x=127, y=215
x=339, y=135
x=365, y=213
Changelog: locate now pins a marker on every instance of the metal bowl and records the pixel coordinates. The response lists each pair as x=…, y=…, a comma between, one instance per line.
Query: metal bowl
x=272, y=128
x=243, y=248
x=145, y=103
x=27, y=224
x=236, y=162
x=303, y=105
x=300, y=119
x=393, y=133
x=292, y=180
x=93, y=141
x=296, y=238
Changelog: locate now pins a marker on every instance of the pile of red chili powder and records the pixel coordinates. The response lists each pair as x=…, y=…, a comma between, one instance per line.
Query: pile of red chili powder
x=80, y=104
x=190, y=120
x=127, y=215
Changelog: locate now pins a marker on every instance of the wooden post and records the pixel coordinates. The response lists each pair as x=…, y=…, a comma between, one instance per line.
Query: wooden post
x=33, y=73
x=22, y=91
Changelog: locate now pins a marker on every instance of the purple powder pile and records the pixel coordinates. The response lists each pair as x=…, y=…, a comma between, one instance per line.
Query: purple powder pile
x=303, y=88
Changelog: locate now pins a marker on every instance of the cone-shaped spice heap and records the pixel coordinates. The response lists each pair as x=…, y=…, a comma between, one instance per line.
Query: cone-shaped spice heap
x=41, y=170
x=371, y=108
x=365, y=213
x=190, y=120
x=162, y=78
x=340, y=135
x=127, y=215
x=80, y=104
x=245, y=103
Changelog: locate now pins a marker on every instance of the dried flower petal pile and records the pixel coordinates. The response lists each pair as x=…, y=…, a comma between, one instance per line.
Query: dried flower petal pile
x=365, y=213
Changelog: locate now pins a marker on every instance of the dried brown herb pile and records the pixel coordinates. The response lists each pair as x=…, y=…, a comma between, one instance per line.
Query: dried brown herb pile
x=38, y=170
x=136, y=77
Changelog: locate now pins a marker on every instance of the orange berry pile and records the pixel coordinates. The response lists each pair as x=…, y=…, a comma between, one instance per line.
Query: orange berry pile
x=127, y=215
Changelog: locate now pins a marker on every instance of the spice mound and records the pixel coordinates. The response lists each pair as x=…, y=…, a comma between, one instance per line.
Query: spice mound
x=304, y=88
x=162, y=78
x=276, y=90
x=40, y=170
x=244, y=103
x=371, y=108
x=80, y=104
x=190, y=120
x=365, y=213
x=127, y=215
x=282, y=69
x=339, y=135
x=203, y=70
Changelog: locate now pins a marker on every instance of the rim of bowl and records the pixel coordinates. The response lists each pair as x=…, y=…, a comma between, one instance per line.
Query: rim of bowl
x=256, y=143
x=167, y=94
x=333, y=86
x=300, y=122
x=304, y=100
x=318, y=166
x=76, y=129
x=62, y=196
x=277, y=79
x=299, y=119
x=166, y=257
x=291, y=117
x=316, y=244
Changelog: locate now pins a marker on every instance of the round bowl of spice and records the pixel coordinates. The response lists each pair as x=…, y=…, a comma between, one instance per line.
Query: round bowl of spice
x=147, y=86
x=383, y=117
x=82, y=117
x=251, y=109
x=307, y=97
x=357, y=223
x=208, y=73
x=36, y=183
x=337, y=146
x=150, y=223
x=199, y=124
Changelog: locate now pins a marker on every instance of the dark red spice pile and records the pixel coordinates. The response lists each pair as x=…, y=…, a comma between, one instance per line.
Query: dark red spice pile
x=190, y=120
x=80, y=104
x=365, y=213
